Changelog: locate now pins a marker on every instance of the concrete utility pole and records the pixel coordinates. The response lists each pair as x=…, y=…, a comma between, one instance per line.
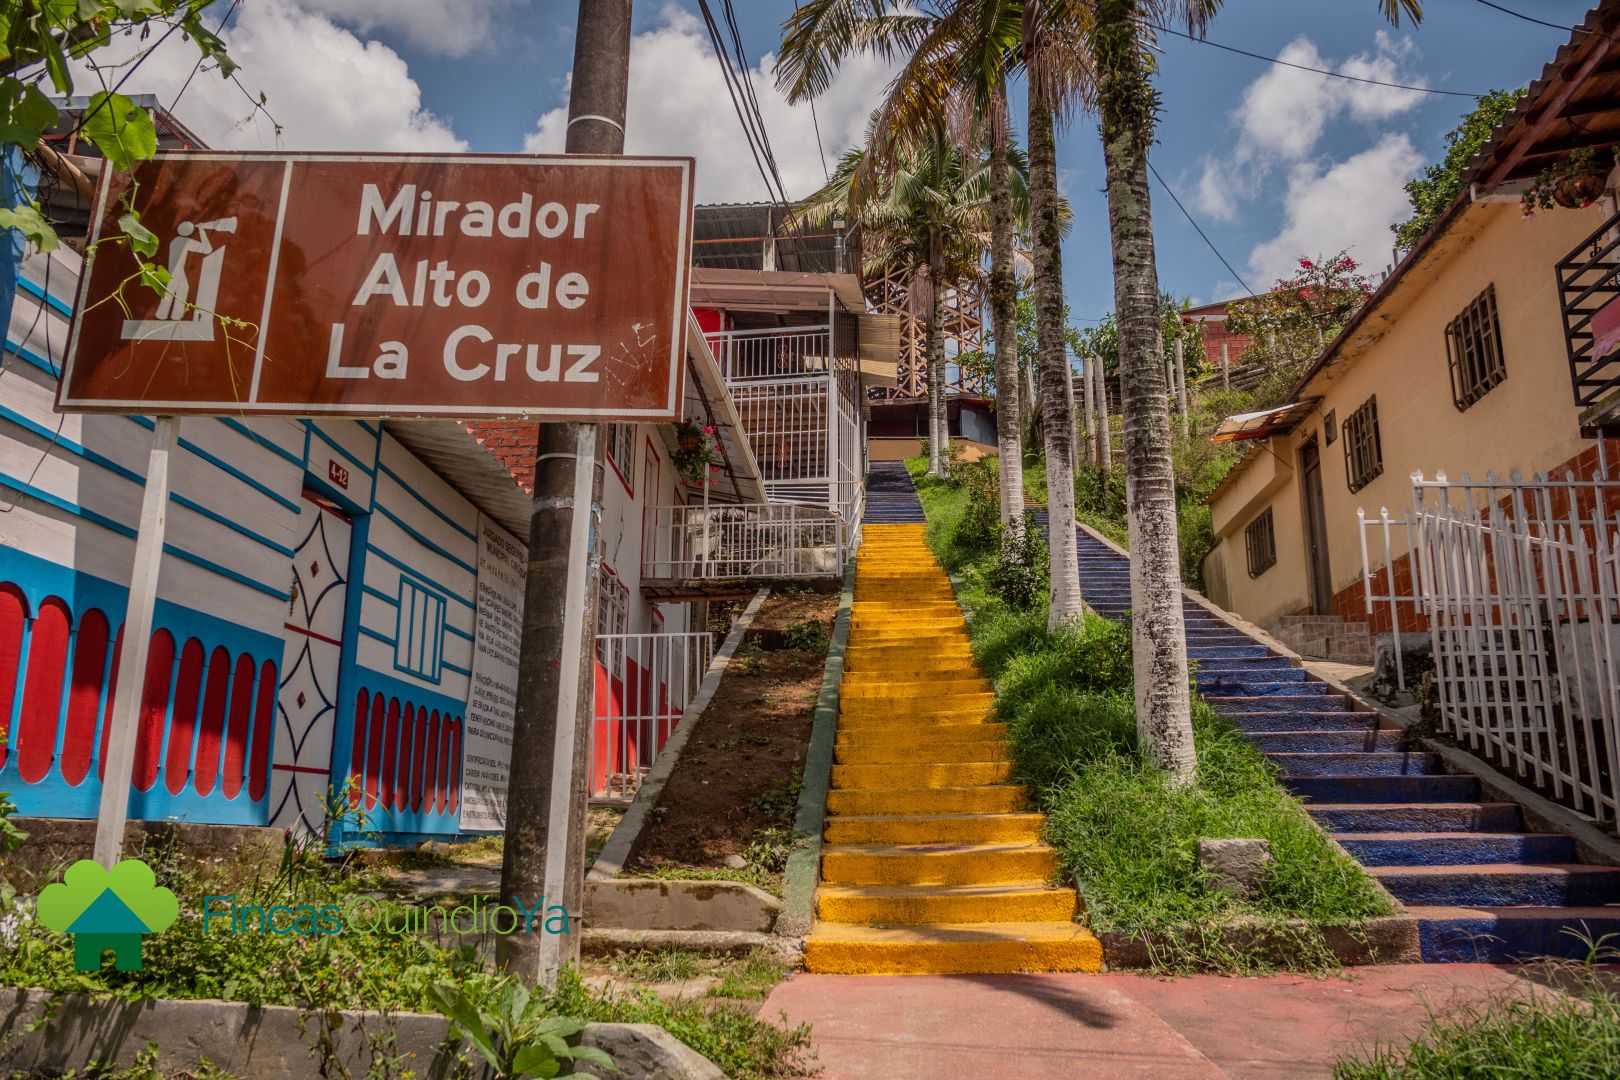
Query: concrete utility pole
x=547, y=791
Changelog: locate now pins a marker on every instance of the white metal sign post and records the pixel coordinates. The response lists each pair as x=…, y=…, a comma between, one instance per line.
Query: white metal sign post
x=124, y=722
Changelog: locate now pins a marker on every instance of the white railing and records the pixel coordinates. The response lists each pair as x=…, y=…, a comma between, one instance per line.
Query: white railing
x=644, y=686
x=775, y=353
x=744, y=540
x=1518, y=586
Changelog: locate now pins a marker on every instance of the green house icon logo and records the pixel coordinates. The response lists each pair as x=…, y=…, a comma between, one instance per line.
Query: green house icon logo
x=107, y=909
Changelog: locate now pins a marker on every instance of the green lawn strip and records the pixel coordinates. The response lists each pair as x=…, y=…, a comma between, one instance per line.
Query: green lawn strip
x=1120, y=830
x=381, y=961
x=1537, y=1036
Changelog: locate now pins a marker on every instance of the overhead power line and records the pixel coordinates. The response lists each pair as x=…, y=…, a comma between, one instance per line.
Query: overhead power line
x=1533, y=19
x=1168, y=190
x=1317, y=70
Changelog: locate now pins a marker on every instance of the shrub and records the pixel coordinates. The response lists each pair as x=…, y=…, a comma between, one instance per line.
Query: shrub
x=808, y=635
x=1019, y=575
x=978, y=530
x=1093, y=655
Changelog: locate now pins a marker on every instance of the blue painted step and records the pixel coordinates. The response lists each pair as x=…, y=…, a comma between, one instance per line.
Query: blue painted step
x=1417, y=817
x=1385, y=789
x=1456, y=849
x=1393, y=763
x=1501, y=885
x=1293, y=722
x=1325, y=741
x=1463, y=935
x=1262, y=687
x=1238, y=704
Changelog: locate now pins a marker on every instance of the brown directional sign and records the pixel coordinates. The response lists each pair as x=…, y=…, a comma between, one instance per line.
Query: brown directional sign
x=389, y=285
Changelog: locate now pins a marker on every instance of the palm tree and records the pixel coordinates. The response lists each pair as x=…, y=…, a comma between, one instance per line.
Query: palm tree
x=928, y=217
x=1120, y=33
x=959, y=54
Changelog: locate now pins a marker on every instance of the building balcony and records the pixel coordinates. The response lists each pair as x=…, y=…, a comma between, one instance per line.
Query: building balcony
x=1589, y=295
x=728, y=551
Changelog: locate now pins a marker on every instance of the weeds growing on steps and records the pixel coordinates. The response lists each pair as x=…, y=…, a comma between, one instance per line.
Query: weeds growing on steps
x=1121, y=832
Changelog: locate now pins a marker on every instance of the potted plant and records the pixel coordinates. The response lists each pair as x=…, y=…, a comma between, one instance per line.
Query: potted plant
x=697, y=452
x=1573, y=182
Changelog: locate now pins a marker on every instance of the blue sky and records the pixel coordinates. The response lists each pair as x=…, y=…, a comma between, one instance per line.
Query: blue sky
x=1274, y=163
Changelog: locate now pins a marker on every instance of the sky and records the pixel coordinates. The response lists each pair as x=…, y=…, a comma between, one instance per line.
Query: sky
x=1273, y=163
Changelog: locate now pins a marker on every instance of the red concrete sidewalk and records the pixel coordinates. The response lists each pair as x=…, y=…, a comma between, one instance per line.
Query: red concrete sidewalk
x=1104, y=1026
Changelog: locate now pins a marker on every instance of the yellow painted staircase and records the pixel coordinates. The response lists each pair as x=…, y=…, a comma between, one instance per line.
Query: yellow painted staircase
x=931, y=861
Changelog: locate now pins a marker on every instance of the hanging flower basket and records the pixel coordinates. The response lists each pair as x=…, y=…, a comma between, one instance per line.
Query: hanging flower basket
x=1573, y=183
x=697, y=453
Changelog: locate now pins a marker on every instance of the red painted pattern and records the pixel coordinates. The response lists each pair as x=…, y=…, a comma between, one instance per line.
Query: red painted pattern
x=357, y=748
x=264, y=716
x=236, y=731
x=418, y=759
x=183, y=728
x=452, y=765
x=112, y=700
x=402, y=784
x=374, y=742
x=430, y=780
x=390, y=753
x=211, y=730
x=42, y=690
x=13, y=619
x=84, y=696
x=154, y=707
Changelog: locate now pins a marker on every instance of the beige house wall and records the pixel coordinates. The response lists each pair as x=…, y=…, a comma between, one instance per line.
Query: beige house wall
x=1527, y=422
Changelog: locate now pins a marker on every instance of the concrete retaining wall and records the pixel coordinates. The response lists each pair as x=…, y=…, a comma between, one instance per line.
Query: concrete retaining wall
x=270, y=1043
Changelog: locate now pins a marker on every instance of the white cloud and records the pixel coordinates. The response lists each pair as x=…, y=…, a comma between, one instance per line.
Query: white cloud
x=1286, y=111
x=328, y=89
x=678, y=105
x=1349, y=205
x=449, y=27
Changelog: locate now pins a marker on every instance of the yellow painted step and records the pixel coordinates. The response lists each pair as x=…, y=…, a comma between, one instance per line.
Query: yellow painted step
x=977, y=799
x=940, y=774
x=914, y=905
x=867, y=660
x=937, y=752
x=956, y=949
x=935, y=864
x=947, y=687
x=958, y=708
x=1013, y=828
x=913, y=738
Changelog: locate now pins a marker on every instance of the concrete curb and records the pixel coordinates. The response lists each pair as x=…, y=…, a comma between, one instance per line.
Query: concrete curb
x=1391, y=939
x=611, y=859
x=804, y=862
x=1541, y=814
x=602, y=942
x=46, y=1034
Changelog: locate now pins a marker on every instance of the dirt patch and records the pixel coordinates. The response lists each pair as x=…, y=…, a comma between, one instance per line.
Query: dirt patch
x=735, y=790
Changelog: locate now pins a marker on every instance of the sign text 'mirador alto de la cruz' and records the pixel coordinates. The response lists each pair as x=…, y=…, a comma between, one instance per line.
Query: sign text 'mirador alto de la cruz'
x=460, y=286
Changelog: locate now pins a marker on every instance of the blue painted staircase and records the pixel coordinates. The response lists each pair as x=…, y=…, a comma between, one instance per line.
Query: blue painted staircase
x=890, y=497
x=1480, y=887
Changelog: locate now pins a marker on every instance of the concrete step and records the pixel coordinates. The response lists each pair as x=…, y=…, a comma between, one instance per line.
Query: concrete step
x=882, y=753
x=962, y=709
x=1270, y=671
x=936, y=864
x=943, y=774
x=953, y=949
x=1009, y=828
x=1417, y=817
x=1501, y=884
x=1214, y=654
x=1495, y=935
x=911, y=802
x=906, y=732
x=1326, y=741
x=1384, y=789
x=1291, y=701
x=1282, y=721
x=1262, y=687
x=1456, y=848
x=946, y=685
x=1393, y=763
x=913, y=905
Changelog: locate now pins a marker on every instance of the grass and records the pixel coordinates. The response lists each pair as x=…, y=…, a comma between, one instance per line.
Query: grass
x=1537, y=1036
x=1121, y=831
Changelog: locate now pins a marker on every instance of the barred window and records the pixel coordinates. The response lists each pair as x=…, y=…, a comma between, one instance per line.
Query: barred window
x=1474, y=350
x=1261, y=539
x=1363, y=447
x=621, y=451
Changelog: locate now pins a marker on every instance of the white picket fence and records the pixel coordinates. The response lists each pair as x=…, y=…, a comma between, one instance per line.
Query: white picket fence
x=1518, y=583
x=643, y=691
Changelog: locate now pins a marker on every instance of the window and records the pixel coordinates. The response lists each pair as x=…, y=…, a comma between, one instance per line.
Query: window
x=612, y=617
x=1474, y=350
x=1363, y=449
x=1261, y=539
x=1330, y=427
x=419, y=632
x=621, y=450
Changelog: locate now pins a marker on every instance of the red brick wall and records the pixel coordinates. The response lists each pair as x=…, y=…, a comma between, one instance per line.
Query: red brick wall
x=514, y=442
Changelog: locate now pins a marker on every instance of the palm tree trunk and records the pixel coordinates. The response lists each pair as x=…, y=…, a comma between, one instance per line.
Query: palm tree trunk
x=1127, y=102
x=939, y=432
x=1004, y=320
x=1057, y=417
